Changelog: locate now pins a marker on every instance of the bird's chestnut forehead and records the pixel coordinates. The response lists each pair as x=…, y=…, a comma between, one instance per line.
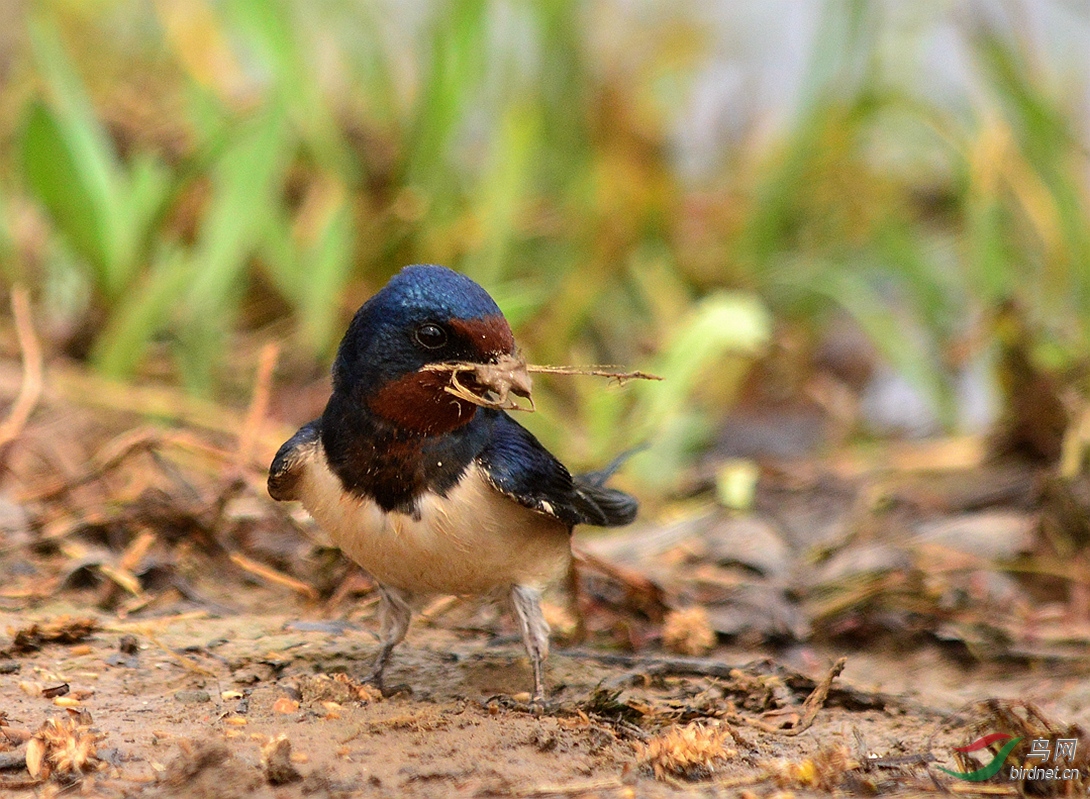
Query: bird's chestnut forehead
x=489, y=334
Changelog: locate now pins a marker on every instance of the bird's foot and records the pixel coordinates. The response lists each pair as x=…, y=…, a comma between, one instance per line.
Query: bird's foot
x=533, y=705
x=375, y=679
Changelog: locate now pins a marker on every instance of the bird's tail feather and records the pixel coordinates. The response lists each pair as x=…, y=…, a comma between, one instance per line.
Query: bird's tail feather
x=606, y=507
x=599, y=477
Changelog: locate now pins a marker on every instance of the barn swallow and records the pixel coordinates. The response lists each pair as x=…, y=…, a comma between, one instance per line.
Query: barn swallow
x=434, y=491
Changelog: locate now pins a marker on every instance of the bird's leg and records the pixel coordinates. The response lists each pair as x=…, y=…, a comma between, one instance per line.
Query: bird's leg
x=535, y=634
x=394, y=614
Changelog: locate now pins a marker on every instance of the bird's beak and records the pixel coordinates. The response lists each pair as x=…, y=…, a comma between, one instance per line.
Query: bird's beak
x=491, y=385
x=509, y=376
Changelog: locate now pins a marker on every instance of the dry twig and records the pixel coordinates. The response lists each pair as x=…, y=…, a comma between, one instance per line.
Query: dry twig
x=116, y=451
x=259, y=404
x=30, y=390
x=811, y=707
x=510, y=376
x=272, y=575
x=593, y=371
x=181, y=660
x=584, y=787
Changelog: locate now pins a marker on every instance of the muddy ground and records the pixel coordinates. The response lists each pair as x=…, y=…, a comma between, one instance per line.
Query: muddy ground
x=189, y=637
x=187, y=711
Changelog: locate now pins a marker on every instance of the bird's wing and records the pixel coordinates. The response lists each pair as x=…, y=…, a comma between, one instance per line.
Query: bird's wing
x=518, y=466
x=287, y=467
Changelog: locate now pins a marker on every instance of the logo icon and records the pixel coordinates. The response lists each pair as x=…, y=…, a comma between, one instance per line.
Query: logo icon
x=992, y=768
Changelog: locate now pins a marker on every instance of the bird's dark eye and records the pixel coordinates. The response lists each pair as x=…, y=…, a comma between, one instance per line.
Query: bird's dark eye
x=431, y=336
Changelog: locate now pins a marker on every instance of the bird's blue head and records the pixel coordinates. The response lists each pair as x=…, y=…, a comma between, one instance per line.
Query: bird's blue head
x=425, y=315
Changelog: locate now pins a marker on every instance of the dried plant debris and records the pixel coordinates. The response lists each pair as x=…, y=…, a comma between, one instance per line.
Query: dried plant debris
x=276, y=759
x=606, y=704
x=758, y=692
x=53, y=691
x=61, y=630
x=193, y=758
x=827, y=770
x=612, y=372
x=338, y=688
x=688, y=631
x=491, y=385
x=206, y=769
x=63, y=747
x=815, y=701
x=691, y=752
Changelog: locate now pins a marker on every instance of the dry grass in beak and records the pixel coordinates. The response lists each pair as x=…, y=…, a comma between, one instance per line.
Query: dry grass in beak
x=593, y=371
x=491, y=385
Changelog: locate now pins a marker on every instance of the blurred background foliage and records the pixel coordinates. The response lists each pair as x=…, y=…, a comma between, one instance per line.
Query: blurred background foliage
x=685, y=188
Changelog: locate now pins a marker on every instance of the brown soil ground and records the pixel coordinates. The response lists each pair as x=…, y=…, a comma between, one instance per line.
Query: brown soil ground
x=219, y=627
x=187, y=714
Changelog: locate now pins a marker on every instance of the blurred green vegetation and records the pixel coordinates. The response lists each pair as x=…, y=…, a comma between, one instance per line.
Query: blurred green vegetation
x=182, y=175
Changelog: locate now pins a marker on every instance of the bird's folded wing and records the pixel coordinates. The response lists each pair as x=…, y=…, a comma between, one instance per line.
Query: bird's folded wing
x=287, y=467
x=518, y=466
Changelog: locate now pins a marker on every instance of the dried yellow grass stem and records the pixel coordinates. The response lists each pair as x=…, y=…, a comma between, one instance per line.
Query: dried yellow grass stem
x=496, y=382
x=30, y=390
x=272, y=575
x=592, y=371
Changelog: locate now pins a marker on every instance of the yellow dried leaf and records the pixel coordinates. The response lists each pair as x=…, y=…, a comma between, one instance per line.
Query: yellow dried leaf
x=35, y=757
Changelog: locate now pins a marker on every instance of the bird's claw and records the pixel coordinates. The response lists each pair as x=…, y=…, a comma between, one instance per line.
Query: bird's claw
x=375, y=679
x=536, y=706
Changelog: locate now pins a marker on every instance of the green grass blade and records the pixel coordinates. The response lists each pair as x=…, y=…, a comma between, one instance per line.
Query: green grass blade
x=274, y=36
x=720, y=327
x=246, y=182
x=89, y=210
x=452, y=75
x=149, y=188
x=504, y=191
x=58, y=180
x=327, y=266
x=10, y=267
x=905, y=343
x=146, y=312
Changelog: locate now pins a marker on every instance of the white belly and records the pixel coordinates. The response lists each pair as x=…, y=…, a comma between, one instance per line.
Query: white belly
x=470, y=542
